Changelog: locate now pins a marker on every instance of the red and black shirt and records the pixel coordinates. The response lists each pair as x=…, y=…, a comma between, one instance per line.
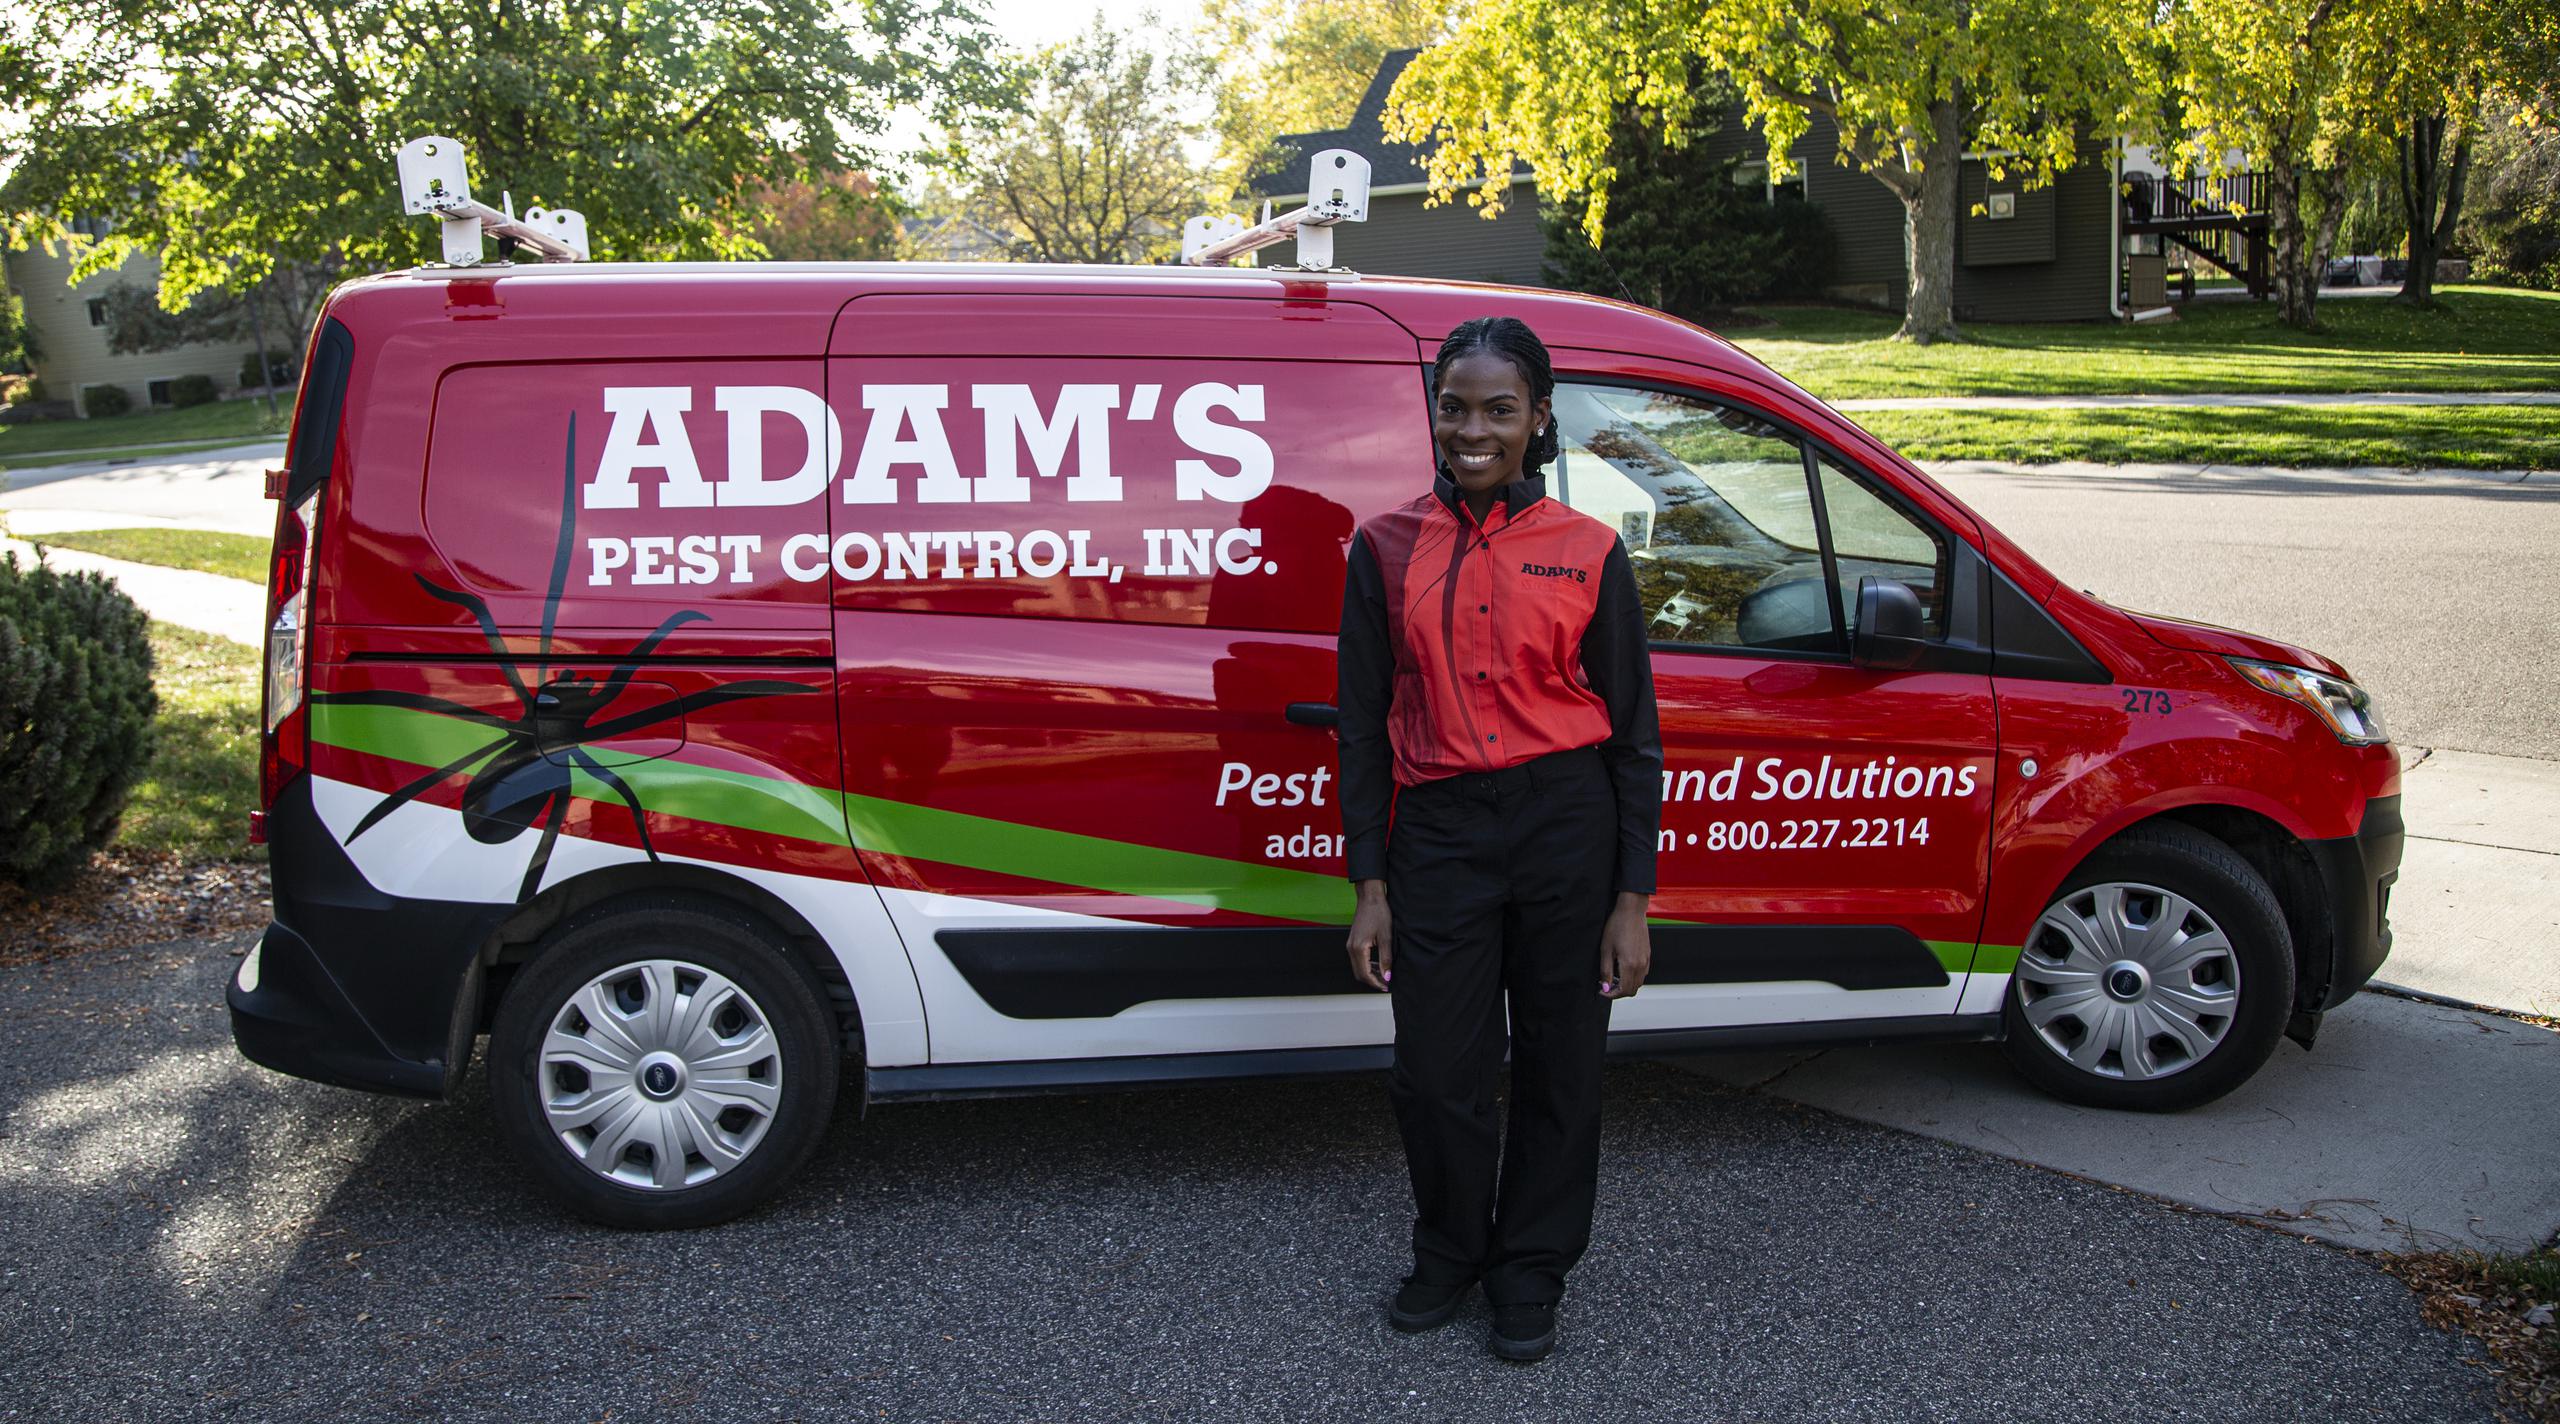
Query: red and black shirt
x=1473, y=646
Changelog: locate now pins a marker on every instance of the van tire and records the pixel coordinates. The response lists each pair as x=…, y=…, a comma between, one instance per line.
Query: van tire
x=2133, y=881
x=690, y=942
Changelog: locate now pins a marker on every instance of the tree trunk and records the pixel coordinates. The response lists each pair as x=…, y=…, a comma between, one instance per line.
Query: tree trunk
x=2430, y=202
x=2297, y=280
x=1929, y=202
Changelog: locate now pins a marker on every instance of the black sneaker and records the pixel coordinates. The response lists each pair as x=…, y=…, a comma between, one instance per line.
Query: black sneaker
x=1421, y=1306
x=1525, y=1332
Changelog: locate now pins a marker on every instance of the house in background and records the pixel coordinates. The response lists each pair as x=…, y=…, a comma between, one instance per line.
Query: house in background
x=69, y=324
x=2033, y=254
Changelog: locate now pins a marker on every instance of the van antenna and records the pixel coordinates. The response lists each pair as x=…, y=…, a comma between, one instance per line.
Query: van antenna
x=1337, y=192
x=433, y=183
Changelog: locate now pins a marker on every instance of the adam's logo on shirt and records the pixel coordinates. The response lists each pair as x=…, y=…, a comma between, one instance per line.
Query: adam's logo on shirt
x=1554, y=571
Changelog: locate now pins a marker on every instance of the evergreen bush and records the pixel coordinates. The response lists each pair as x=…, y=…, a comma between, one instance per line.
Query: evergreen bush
x=192, y=390
x=75, y=717
x=100, y=402
x=279, y=369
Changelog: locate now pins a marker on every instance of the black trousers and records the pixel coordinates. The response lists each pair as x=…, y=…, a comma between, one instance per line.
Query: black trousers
x=1498, y=884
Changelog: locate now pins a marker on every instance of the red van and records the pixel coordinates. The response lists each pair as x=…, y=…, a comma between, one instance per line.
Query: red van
x=720, y=684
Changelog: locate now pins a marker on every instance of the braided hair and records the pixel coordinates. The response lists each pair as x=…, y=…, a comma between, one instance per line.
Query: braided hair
x=1511, y=339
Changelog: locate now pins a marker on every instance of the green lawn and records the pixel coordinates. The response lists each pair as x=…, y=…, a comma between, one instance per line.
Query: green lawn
x=196, y=795
x=2475, y=437
x=2487, y=339
x=222, y=420
x=240, y=556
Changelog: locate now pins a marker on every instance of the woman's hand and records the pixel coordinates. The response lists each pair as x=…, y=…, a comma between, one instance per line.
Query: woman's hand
x=1626, y=947
x=1372, y=946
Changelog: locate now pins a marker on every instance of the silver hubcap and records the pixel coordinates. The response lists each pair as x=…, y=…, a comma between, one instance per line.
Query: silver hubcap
x=660, y=1074
x=2128, y=981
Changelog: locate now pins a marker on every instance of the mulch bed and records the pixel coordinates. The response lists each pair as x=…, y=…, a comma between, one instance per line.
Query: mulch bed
x=128, y=896
x=2456, y=1294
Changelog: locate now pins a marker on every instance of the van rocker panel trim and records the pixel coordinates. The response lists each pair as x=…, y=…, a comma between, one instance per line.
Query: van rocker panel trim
x=942, y=1081
x=1050, y=973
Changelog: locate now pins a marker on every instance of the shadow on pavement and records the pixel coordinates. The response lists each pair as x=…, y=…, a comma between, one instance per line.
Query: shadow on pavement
x=196, y=1238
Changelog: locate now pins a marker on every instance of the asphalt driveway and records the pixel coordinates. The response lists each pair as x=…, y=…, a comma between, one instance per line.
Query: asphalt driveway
x=191, y=1237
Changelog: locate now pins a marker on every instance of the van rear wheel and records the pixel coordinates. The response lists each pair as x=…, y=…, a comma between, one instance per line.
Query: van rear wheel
x=662, y=1065
x=2159, y=978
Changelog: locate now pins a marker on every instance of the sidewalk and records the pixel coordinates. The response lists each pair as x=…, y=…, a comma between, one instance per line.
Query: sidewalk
x=2207, y=398
x=209, y=603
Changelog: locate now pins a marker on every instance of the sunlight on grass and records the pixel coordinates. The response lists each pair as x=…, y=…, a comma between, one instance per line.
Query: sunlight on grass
x=196, y=795
x=222, y=420
x=240, y=556
x=2486, y=339
x=2475, y=437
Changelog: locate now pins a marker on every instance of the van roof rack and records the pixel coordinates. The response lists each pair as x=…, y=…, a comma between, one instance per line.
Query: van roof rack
x=1337, y=192
x=434, y=183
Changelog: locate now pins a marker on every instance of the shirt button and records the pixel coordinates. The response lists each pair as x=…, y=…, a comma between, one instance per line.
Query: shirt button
x=1488, y=736
x=1479, y=677
x=1484, y=608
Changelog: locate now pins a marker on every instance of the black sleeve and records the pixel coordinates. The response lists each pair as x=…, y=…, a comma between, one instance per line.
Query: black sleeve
x=1365, y=670
x=1620, y=666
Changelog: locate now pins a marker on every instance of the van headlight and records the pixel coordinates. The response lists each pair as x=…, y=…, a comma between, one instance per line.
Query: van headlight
x=2348, y=709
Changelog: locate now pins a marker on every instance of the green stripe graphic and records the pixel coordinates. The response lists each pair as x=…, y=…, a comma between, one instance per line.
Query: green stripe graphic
x=777, y=807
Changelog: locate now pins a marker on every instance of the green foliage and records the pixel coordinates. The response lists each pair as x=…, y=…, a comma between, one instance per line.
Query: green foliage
x=102, y=402
x=2511, y=224
x=1301, y=68
x=280, y=366
x=17, y=339
x=1689, y=238
x=229, y=136
x=2467, y=437
x=192, y=390
x=838, y=216
x=1094, y=170
x=76, y=703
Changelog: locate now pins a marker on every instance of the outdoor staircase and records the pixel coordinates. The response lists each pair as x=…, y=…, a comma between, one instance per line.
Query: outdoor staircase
x=2221, y=220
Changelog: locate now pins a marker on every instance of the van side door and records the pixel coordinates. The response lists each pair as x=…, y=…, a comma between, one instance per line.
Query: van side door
x=1088, y=551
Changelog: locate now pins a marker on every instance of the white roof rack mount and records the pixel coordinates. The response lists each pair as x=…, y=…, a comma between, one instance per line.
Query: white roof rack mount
x=433, y=183
x=1337, y=192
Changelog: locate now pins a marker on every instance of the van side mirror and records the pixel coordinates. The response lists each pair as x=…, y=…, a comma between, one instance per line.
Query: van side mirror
x=1888, y=631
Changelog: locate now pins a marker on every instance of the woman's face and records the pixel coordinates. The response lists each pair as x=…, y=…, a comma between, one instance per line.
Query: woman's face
x=1484, y=421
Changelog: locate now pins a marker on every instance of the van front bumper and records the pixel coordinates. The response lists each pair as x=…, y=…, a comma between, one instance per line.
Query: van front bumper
x=349, y=985
x=2357, y=873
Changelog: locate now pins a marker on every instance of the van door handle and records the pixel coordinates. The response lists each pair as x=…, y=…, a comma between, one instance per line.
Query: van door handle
x=1315, y=714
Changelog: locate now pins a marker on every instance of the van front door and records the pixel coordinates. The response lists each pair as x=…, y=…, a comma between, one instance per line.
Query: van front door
x=1826, y=825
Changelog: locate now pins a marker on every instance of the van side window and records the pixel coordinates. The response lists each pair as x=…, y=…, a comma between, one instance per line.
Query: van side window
x=1870, y=536
x=1714, y=507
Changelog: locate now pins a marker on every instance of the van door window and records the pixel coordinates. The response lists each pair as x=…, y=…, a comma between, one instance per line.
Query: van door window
x=1714, y=507
x=1871, y=536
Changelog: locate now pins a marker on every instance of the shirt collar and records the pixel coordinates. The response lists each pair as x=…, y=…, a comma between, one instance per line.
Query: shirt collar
x=1517, y=496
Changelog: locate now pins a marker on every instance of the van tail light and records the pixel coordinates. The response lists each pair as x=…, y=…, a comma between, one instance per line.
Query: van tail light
x=286, y=747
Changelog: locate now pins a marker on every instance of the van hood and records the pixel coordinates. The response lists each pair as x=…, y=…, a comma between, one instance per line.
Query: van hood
x=2230, y=643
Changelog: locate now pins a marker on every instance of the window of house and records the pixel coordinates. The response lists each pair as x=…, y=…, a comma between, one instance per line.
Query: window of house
x=97, y=311
x=160, y=392
x=1738, y=537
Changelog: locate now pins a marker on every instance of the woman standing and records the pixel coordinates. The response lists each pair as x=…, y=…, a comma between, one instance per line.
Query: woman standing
x=1501, y=787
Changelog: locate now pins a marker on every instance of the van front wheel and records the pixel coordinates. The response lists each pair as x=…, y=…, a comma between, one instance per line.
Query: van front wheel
x=2159, y=977
x=662, y=1066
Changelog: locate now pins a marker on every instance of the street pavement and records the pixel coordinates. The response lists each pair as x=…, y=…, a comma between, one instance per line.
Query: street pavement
x=222, y=489
x=191, y=1237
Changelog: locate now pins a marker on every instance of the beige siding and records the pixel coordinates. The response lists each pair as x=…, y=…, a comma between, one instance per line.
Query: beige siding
x=75, y=353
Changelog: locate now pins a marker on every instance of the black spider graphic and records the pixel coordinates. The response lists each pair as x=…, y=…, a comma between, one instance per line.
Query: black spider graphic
x=521, y=785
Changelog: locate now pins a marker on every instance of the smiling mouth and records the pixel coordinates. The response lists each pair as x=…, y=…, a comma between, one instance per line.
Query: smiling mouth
x=1478, y=462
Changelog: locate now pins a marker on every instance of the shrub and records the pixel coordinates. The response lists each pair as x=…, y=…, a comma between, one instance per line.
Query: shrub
x=75, y=717
x=99, y=402
x=32, y=393
x=192, y=390
x=279, y=369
